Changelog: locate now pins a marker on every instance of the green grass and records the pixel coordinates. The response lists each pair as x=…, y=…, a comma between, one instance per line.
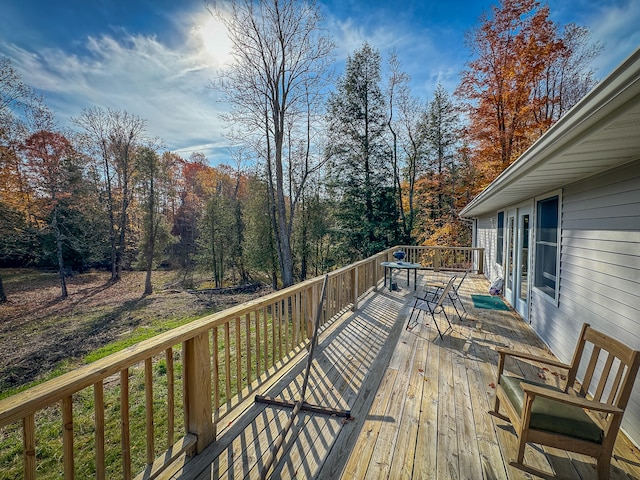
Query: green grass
x=142, y=333
x=137, y=336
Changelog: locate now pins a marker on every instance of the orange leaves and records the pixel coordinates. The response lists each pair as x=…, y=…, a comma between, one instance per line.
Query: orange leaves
x=511, y=87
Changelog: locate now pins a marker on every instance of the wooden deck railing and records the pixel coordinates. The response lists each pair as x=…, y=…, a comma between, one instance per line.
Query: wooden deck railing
x=174, y=389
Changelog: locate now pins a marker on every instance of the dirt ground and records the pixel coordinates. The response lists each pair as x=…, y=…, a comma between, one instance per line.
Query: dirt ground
x=40, y=332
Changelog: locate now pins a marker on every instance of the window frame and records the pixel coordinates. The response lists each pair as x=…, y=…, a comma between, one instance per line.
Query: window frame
x=545, y=292
x=500, y=238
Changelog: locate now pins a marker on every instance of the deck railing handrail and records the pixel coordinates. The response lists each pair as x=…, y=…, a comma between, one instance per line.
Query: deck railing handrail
x=223, y=356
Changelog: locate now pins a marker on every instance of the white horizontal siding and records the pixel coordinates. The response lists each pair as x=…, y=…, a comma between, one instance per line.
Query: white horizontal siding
x=486, y=237
x=599, y=269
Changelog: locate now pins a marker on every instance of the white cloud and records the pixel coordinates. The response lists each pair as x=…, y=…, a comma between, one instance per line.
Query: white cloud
x=168, y=87
x=616, y=26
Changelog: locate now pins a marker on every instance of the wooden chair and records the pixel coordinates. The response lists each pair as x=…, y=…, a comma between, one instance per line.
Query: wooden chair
x=584, y=418
x=432, y=306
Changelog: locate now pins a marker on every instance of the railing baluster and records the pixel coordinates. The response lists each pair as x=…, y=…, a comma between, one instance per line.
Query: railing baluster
x=148, y=394
x=238, y=358
x=67, y=437
x=266, y=338
x=124, y=423
x=227, y=361
x=273, y=333
x=296, y=318
x=256, y=316
x=98, y=405
x=279, y=316
x=216, y=368
x=248, y=344
x=171, y=405
x=29, y=446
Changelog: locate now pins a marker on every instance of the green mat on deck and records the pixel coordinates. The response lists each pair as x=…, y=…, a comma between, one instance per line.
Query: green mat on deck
x=489, y=302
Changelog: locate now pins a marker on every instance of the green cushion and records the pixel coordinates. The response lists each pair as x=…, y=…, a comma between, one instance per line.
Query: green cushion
x=550, y=415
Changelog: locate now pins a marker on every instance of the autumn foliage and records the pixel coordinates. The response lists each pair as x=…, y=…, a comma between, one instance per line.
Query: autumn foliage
x=520, y=81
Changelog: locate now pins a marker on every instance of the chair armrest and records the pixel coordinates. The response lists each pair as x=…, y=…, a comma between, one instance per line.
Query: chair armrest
x=534, y=358
x=569, y=399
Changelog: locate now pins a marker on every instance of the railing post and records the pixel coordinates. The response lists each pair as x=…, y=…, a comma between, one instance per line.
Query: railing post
x=354, y=288
x=197, y=391
x=481, y=261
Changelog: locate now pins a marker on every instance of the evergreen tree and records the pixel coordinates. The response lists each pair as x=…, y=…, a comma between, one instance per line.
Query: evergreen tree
x=360, y=159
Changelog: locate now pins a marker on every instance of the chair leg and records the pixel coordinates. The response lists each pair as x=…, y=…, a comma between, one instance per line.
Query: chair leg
x=521, y=446
x=603, y=466
x=496, y=404
x=410, y=323
x=453, y=297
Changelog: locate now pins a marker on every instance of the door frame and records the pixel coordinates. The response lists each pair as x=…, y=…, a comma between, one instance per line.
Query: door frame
x=515, y=266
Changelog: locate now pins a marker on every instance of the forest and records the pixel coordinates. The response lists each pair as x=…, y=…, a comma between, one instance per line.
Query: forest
x=326, y=170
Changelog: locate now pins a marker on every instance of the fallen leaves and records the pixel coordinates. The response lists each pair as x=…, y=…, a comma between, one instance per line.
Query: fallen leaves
x=347, y=420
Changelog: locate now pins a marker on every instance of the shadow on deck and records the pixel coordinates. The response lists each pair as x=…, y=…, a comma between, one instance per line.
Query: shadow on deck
x=418, y=404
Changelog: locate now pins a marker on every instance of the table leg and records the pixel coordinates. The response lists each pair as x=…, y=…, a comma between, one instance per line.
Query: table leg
x=390, y=279
x=415, y=279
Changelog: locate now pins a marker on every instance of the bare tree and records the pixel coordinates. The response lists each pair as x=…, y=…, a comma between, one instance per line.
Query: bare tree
x=280, y=61
x=112, y=136
x=397, y=97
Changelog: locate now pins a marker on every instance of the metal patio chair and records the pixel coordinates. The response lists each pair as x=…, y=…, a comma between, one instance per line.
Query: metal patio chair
x=434, y=289
x=431, y=306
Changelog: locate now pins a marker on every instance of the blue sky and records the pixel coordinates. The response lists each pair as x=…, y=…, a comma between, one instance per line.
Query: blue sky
x=156, y=58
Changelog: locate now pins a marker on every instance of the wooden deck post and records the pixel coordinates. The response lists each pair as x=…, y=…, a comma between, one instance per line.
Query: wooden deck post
x=198, y=411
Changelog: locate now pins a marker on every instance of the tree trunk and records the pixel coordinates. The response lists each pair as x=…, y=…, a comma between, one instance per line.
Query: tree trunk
x=61, y=273
x=3, y=296
x=151, y=245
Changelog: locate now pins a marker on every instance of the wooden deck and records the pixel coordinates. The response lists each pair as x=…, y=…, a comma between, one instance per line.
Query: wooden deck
x=418, y=404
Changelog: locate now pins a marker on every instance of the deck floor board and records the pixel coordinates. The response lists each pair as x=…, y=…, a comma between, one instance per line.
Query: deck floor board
x=419, y=404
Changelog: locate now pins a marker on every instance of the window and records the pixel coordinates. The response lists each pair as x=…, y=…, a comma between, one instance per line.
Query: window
x=500, y=246
x=547, y=229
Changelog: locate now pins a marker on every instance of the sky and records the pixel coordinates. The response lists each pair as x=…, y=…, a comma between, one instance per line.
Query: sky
x=157, y=58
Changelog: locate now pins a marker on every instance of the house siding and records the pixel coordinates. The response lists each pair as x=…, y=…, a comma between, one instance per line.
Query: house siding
x=599, y=269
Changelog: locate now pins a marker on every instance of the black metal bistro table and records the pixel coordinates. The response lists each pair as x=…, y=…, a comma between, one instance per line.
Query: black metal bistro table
x=400, y=265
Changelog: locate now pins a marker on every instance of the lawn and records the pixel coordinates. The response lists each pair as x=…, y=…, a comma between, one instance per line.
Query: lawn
x=42, y=335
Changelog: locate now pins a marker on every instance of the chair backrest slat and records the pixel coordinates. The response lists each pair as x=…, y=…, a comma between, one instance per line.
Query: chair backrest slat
x=445, y=292
x=616, y=382
x=604, y=377
x=591, y=367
